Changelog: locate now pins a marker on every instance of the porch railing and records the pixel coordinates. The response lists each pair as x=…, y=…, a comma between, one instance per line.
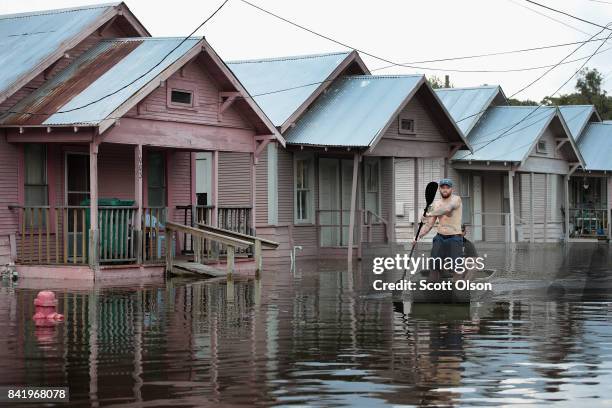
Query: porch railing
x=231, y=218
x=588, y=222
x=60, y=234
x=370, y=221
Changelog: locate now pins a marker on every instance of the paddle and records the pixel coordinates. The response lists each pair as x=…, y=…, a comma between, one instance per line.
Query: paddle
x=430, y=194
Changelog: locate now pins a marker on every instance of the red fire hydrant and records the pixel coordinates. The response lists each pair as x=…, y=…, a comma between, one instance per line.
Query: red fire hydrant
x=46, y=305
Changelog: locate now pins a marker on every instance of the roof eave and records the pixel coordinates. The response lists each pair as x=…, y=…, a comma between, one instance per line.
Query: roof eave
x=570, y=137
x=238, y=85
x=112, y=12
x=351, y=57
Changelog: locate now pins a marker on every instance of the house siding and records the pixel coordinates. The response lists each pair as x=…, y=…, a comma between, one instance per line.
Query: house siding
x=234, y=179
x=192, y=77
x=9, y=168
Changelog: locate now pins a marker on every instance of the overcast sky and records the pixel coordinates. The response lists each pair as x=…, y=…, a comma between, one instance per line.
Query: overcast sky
x=399, y=31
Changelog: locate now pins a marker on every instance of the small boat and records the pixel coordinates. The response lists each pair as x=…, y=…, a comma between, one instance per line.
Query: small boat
x=431, y=288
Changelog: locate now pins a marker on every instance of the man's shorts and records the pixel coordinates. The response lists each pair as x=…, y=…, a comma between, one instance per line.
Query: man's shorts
x=447, y=246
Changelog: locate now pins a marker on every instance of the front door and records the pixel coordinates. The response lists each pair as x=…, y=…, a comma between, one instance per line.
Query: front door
x=156, y=179
x=77, y=192
x=329, y=202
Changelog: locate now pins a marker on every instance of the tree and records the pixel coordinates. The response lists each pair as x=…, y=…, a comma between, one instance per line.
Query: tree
x=436, y=82
x=526, y=102
x=589, y=92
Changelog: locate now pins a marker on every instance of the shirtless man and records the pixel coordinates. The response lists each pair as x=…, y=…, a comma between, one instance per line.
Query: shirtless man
x=448, y=242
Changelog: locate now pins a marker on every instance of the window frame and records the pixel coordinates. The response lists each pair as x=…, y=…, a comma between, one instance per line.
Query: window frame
x=543, y=150
x=403, y=131
x=24, y=185
x=308, y=158
x=367, y=165
x=181, y=86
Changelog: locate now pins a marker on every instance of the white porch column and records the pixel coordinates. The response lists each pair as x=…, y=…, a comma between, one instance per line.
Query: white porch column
x=215, y=188
x=566, y=206
x=138, y=200
x=353, y=206
x=93, y=206
x=511, y=197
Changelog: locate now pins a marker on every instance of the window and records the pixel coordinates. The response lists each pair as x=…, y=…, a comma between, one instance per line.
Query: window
x=466, y=199
x=181, y=97
x=304, y=177
x=406, y=125
x=372, y=185
x=35, y=179
x=541, y=147
x=156, y=179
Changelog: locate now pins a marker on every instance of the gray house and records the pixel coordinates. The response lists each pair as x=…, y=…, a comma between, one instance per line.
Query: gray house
x=590, y=187
x=360, y=149
x=514, y=184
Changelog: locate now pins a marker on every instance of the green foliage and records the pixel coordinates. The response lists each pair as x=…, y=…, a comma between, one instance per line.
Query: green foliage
x=589, y=92
x=527, y=102
x=437, y=82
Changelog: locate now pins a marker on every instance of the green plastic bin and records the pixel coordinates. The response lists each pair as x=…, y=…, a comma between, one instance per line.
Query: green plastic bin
x=106, y=217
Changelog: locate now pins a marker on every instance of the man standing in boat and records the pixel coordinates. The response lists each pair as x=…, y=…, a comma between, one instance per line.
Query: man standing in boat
x=448, y=242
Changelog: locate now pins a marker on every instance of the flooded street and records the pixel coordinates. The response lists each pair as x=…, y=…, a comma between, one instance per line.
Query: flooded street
x=319, y=336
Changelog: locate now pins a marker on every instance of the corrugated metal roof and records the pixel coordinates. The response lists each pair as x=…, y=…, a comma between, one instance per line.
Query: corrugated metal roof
x=576, y=117
x=26, y=39
x=492, y=140
x=305, y=73
x=595, y=144
x=103, y=69
x=467, y=105
x=353, y=110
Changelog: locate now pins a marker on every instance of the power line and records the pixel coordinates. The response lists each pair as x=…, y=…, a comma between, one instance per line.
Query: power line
x=150, y=69
x=549, y=17
x=538, y=106
x=568, y=15
x=492, y=54
x=499, y=71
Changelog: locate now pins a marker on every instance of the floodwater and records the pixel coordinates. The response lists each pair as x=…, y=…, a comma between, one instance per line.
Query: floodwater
x=320, y=336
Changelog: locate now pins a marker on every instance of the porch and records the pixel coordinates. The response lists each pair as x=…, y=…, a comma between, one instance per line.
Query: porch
x=105, y=210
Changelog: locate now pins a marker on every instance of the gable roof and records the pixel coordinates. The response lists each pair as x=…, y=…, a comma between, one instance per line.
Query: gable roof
x=30, y=42
x=508, y=133
x=577, y=117
x=102, y=72
x=596, y=146
x=299, y=79
x=467, y=105
x=356, y=110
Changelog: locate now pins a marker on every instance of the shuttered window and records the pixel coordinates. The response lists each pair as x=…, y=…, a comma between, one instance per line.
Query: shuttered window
x=304, y=179
x=36, y=188
x=372, y=185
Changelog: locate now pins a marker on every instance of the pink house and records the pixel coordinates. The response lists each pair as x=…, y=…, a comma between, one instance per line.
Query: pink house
x=110, y=136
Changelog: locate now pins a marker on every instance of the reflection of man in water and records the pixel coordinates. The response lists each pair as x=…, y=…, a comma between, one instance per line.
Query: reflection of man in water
x=448, y=242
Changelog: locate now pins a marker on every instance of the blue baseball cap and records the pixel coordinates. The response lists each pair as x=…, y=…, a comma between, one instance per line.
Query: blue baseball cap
x=445, y=182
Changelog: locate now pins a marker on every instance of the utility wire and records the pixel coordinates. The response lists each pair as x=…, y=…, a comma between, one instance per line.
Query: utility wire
x=492, y=54
x=538, y=106
x=150, y=69
x=568, y=15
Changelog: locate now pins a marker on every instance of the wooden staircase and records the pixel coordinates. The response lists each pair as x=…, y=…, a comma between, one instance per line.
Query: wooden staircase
x=207, y=242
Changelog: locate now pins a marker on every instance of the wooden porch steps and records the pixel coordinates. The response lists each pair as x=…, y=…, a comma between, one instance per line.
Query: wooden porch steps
x=190, y=268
